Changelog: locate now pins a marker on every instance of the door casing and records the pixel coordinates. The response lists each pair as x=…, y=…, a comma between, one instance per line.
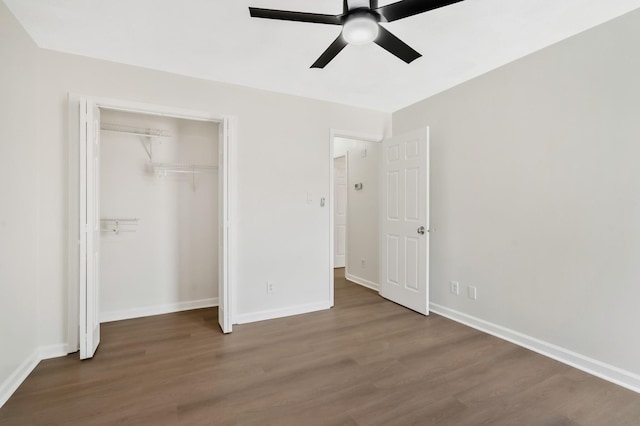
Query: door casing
x=343, y=264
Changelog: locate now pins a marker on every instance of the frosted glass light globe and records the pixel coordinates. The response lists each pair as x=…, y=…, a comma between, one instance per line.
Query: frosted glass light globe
x=360, y=30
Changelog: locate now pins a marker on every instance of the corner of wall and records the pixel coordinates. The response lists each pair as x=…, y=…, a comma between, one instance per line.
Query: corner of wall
x=22, y=371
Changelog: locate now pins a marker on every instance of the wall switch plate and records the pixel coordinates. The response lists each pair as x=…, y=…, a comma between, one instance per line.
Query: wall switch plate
x=454, y=287
x=472, y=292
x=271, y=287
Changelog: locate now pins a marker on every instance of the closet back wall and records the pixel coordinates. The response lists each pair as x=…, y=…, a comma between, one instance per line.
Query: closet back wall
x=168, y=261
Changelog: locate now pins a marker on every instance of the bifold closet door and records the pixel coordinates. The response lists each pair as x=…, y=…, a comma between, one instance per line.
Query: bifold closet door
x=224, y=292
x=90, y=234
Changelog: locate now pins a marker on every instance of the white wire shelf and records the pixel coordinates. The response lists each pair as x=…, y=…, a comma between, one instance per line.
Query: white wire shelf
x=116, y=225
x=136, y=131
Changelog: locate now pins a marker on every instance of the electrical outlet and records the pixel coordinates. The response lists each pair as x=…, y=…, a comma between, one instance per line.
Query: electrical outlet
x=472, y=292
x=271, y=287
x=454, y=287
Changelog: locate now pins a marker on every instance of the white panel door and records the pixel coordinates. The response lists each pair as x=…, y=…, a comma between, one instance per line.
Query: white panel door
x=90, y=236
x=224, y=293
x=340, y=211
x=404, y=220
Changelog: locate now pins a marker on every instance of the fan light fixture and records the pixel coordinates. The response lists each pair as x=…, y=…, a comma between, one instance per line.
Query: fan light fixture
x=360, y=30
x=359, y=20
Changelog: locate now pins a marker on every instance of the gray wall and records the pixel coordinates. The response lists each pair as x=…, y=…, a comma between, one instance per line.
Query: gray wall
x=18, y=196
x=535, y=193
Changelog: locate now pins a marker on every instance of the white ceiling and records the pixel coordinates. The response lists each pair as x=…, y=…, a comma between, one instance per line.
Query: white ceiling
x=217, y=40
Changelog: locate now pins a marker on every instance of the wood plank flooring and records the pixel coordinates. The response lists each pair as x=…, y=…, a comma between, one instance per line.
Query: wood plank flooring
x=365, y=362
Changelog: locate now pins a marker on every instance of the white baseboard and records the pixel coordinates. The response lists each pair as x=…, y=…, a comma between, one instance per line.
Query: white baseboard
x=12, y=382
x=18, y=376
x=362, y=282
x=148, y=311
x=52, y=351
x=280, y=313
x=592, y=366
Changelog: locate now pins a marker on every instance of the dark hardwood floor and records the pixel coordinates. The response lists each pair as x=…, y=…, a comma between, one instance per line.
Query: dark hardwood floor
x=365, y=362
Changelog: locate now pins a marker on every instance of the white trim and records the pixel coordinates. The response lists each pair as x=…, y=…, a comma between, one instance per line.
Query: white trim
x=157, y=110
x=232, y=215
x=20, y=374
x=336, y=133
x=331, y=219
x=592, y=366
x=53, y=351
x=280, y=313
x=73, y=222
x=148, y=311
x=363, y=282
x=346, y=213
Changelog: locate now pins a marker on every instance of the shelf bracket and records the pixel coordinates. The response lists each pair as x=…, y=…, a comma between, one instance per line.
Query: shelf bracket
x=148, y=149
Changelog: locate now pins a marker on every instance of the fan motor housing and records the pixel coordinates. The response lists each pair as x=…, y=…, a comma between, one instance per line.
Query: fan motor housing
x=361, y=12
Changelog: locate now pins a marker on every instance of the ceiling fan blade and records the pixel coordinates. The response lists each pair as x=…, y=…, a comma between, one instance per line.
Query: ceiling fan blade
x=406, y=8
x=287, y=15
x=331, y=52
x=394, y=45
x=373, y=4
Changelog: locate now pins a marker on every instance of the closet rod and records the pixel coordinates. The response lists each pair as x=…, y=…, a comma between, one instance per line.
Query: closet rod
x=183, y=168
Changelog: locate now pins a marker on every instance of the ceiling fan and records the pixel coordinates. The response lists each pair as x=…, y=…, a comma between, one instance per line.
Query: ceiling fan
x=361, y=24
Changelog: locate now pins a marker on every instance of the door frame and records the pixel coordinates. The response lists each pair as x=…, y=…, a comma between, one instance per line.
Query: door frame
x=346, y=210
x=76, y=244
x=337, y=133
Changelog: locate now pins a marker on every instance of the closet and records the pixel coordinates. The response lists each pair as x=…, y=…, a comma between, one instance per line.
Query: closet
x=158, y=214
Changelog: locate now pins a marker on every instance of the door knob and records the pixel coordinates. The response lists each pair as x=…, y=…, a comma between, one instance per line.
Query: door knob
x=421, y=230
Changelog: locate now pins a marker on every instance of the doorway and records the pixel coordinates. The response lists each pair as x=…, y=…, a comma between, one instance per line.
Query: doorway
x=85, y=224
x=354, y=214
x=387, y=237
